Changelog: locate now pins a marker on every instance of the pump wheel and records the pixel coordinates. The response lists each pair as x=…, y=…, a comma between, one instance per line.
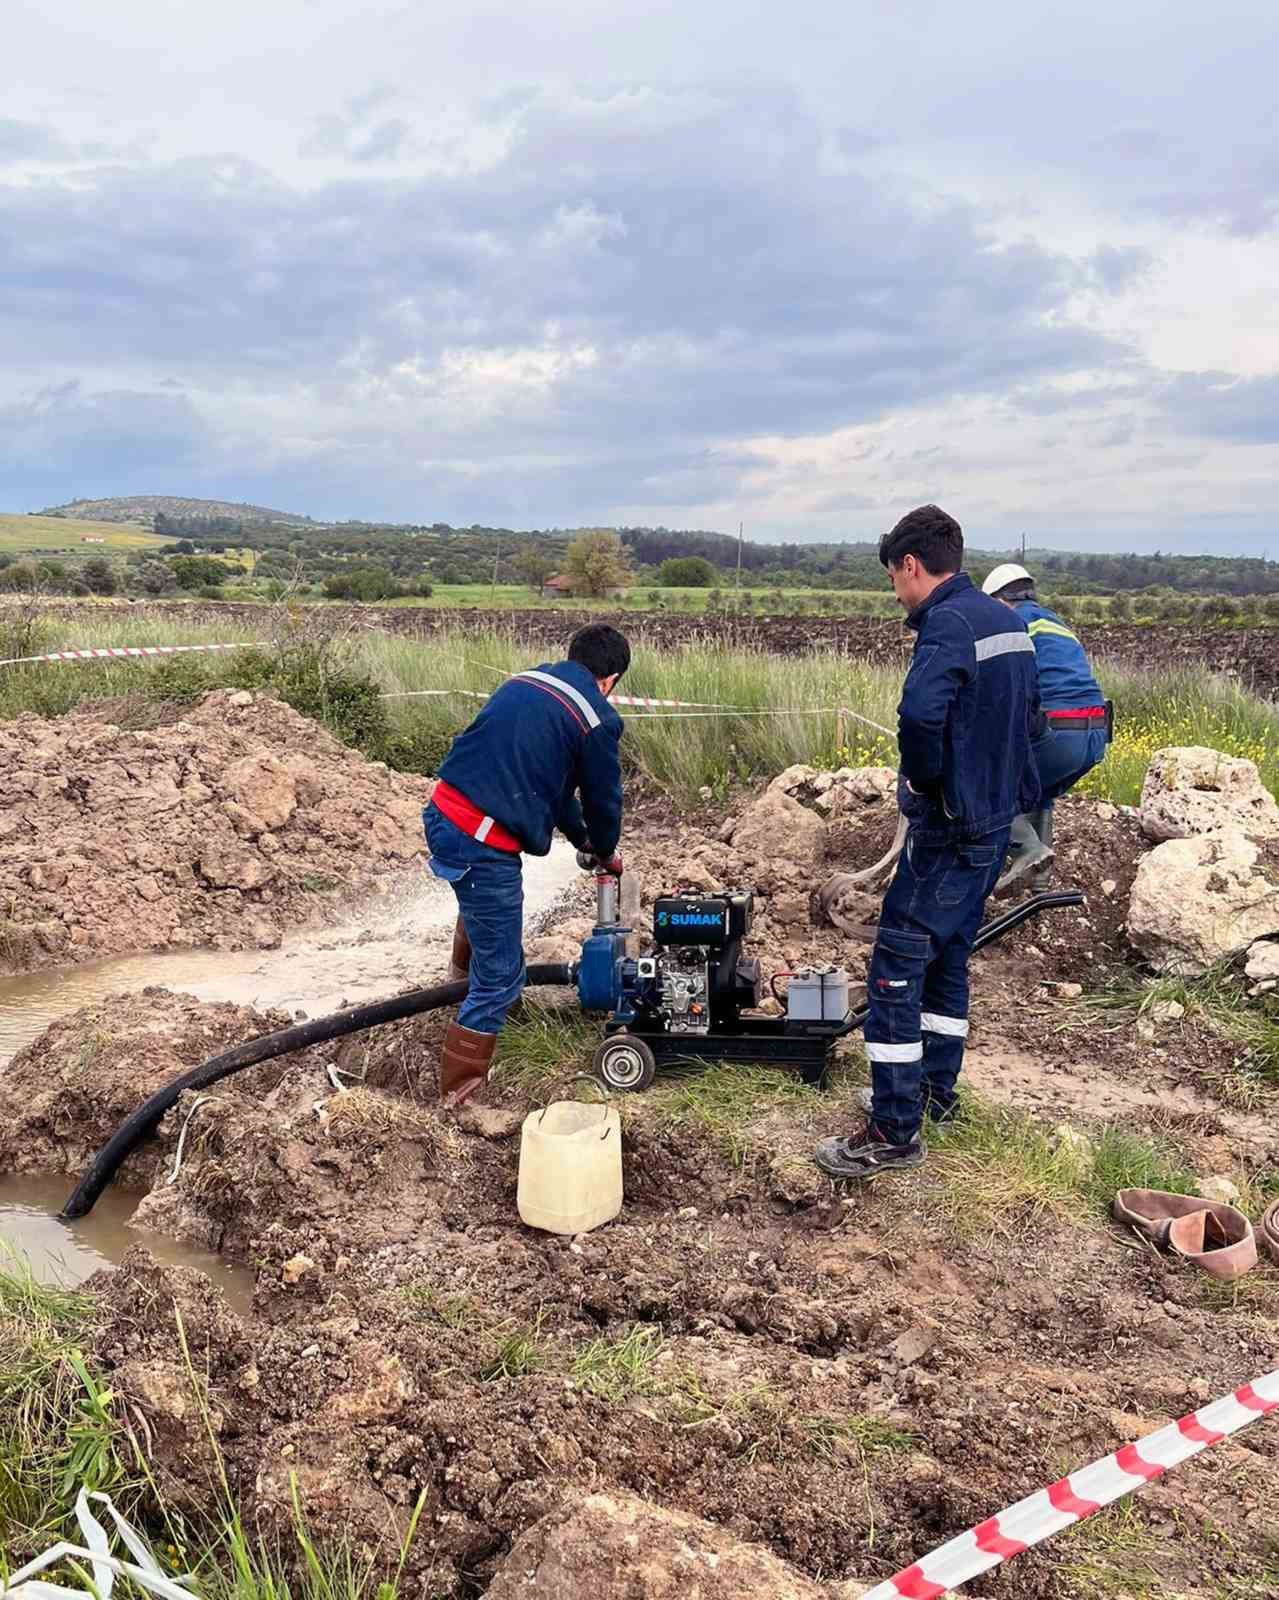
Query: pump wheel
x=625, y=1063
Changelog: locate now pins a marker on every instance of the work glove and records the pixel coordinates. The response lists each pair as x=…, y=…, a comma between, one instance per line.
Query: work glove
x=590, y=862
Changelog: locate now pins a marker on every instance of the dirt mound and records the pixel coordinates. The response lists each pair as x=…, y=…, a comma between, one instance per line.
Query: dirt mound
x=67, y=1092
x=223, y=829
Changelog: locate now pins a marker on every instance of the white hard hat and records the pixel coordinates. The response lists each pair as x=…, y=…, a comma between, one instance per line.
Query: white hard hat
x=1001, y=577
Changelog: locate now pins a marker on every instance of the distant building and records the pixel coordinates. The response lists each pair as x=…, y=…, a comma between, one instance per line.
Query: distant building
x=91, y=538
x=561, y=587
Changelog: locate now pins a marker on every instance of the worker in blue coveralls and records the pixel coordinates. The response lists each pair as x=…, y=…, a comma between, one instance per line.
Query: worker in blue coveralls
x=542, y=754
x=1078, y=717
x=968, y=717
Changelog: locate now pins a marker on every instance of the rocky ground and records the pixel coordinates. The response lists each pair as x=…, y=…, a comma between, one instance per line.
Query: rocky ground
x=221, y=825
x=751, y=1382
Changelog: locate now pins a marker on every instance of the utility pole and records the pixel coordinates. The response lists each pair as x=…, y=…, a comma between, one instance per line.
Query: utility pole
x=739, y=556
x=1023, y=549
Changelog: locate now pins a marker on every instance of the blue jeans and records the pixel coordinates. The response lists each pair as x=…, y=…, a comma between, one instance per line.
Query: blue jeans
x=918, y=1019
x=489, y=885
x=1063, y=756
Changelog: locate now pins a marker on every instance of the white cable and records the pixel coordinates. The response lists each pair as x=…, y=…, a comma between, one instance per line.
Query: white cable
x=200, y=1100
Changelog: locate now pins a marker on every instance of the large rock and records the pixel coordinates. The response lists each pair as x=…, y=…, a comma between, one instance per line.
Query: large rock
x=615, y=1547
x=834, y=793
x=777, y=842
x=1199, y=901
x=1193, y=790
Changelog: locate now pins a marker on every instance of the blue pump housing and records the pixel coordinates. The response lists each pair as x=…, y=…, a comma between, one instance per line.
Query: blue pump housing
x=599, y=972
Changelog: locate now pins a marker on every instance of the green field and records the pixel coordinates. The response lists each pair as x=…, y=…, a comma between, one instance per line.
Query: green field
x=19, y=534
x=788, y=707
x=655, y=597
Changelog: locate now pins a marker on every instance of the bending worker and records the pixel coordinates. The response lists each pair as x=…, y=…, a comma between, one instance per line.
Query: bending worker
x=541, y=755
x=1078, y=722
x=968, y=715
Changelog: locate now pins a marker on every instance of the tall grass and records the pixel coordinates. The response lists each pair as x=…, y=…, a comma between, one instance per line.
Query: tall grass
x=787, y=706
x=62, y=1429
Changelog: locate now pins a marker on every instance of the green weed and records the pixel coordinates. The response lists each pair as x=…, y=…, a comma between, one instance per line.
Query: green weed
x=724, y=1100
x=518, y=1354
x=617, y=1368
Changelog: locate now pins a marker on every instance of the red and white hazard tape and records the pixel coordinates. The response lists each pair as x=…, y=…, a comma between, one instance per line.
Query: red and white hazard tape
x=120, y=651
x=1079, y=1495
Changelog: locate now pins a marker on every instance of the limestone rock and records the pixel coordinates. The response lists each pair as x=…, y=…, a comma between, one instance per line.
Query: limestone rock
x=1263, y=960
x=1194, y=790
x=615, y=1544
x=1220, y=1189
x=1199, y=901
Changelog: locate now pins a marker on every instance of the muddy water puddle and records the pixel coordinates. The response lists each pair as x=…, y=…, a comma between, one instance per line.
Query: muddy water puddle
x=390, y=945
x=66, y=1253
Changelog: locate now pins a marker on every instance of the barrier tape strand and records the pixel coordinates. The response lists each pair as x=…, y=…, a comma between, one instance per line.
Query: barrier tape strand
x=117, y=652
x=1080, y=1494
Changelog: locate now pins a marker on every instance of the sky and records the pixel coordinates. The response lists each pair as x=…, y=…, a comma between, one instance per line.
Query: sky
x=570, y=262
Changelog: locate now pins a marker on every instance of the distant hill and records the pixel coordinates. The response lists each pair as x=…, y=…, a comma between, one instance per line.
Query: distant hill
x=143, y=508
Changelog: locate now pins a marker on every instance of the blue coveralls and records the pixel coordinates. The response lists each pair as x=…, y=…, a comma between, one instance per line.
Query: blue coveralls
x=968, y=717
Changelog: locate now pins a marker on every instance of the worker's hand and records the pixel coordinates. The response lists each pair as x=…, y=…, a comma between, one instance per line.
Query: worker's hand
x=590, y=862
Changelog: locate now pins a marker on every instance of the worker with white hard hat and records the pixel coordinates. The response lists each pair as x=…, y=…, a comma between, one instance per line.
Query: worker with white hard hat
x=1079, y=721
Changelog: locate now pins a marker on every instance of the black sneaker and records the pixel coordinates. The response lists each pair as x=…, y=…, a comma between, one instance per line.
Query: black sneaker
x=867, y=1155
x=864, y=1099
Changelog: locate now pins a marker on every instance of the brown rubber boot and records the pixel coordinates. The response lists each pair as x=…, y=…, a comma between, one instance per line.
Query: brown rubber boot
x=464, y=1063
x=460, y=957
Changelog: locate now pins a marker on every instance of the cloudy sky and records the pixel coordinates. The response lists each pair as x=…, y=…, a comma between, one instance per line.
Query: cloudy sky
x=565, y=262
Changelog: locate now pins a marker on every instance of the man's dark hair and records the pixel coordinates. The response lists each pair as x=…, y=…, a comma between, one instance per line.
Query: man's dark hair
x=602, y=650
x=927, y=533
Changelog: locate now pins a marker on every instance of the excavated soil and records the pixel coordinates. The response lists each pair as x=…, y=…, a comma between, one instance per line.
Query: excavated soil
x=408, y=1334
x=223, y=829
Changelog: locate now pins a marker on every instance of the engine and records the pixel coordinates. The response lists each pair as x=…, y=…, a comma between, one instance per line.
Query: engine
x=696, y=977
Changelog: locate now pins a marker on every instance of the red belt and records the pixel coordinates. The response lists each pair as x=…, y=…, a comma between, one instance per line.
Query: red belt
x=454, y=805
x=1083, y=714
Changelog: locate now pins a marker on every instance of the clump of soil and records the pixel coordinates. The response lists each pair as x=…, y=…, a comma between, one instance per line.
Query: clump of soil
x=224, y=829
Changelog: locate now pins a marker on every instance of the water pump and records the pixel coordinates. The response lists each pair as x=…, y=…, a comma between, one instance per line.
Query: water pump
x=695, y=997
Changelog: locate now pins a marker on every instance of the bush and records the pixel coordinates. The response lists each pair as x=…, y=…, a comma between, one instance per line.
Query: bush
x=687, y=572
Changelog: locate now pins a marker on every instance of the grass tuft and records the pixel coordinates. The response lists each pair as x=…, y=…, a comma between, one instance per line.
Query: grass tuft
x=724, y=1100
x=614, y=1369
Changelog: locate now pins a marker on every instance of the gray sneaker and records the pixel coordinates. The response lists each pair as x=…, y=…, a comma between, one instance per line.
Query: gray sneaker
x=867, y=1156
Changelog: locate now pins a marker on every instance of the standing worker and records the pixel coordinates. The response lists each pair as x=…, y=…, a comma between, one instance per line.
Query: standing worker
x=545, y=738
x=968, y=716
x=1078, y=722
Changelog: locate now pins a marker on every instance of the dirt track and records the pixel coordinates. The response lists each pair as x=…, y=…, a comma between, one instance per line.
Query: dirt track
x=992, y=1340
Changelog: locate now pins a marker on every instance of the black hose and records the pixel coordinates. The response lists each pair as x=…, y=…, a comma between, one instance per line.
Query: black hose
x=997, y=927
x=142, y=1123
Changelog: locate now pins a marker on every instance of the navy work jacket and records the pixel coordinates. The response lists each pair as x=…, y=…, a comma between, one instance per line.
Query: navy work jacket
x=969, y=713
x=546, y=737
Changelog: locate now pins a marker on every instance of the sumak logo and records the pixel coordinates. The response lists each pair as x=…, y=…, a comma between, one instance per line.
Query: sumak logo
x=694, y=919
